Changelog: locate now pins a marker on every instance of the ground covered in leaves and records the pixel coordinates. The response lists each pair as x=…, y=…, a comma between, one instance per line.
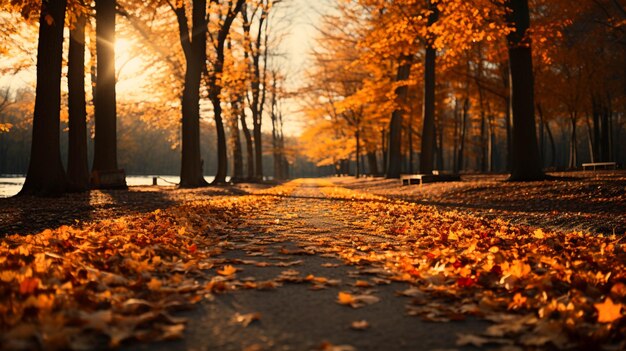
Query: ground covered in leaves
x=586, y=201
x=310, y=265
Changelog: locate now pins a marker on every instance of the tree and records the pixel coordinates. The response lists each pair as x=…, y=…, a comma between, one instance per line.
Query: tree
x=77, y=162
x=525, y=157
x=257, y=48
x=193, y=41
x=214, y=77
x=428, y=131
x=45, y=176
x=105, y=143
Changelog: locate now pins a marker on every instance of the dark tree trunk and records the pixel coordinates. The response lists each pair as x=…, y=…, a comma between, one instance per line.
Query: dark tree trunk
x=236, y=141
x=383, y=134
x=394, y=148
x=215, y=90
x=552, y=145
x=605, y=135
x=194, y=48
x=428, y=132
x=249, y=145
x=222, y=158
x=455, y=145
x=464, y=118
x=439, y=137
x=45, y=176
x=526, y=162
x=541, y=135
x=372, y=163
x=595, y=139
x=573, y=144
x=357, y=138
x=257, y=88
x=77, y=160
x=105, y=147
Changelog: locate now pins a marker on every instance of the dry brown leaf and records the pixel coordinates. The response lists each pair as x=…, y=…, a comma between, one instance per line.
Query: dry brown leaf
x=360, y=325
x=246, y=319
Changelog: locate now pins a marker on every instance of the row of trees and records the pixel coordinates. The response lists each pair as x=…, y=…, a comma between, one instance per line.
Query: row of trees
x=221, y=56
x=145, y=148
x=483, y=85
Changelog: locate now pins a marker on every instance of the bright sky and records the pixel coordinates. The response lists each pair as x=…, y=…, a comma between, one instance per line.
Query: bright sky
x=296, y=18
x=302, y=15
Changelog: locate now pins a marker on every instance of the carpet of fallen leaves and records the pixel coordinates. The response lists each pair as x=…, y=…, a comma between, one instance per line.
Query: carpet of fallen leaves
x=102, y=283
x=541, y=289
x=99, y=284
x=591, y=201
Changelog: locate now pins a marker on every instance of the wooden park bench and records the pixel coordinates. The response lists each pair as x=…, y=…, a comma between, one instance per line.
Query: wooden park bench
x=436, y=176
x=601, y=165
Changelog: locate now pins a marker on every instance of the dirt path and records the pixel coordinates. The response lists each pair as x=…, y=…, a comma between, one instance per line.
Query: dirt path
x=303, y=314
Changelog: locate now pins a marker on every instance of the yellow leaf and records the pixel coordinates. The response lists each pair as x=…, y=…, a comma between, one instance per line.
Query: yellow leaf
x=608, y=311
x=227, y=270
x=345, y=298
x=539, y=234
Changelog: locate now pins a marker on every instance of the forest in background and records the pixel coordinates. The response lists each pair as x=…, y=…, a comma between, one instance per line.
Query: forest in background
x=392, y=87
x=145, y=149
x=445, y=65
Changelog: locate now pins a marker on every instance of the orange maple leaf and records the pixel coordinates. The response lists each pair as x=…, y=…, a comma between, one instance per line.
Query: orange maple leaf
x=608, y=311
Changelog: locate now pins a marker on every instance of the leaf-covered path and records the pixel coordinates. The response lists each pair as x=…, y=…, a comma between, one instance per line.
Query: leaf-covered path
x=295, y=243
x=310, y=265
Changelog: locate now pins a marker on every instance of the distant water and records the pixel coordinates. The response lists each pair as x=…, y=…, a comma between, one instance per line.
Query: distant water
x=11, y=185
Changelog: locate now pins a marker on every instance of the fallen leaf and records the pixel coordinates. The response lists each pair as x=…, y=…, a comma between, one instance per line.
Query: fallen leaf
x=608, y=311
x=227, y=270
x=154, y=284
x=29, y=285
x=246, y=319
x=359, y=325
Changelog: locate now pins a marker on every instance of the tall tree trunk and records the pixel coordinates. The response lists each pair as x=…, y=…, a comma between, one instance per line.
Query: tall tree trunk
x=552, y=145
x=595, y=138
x=249, y=145
x=383, y=150
x=461, y=153
x=428, y=131
x=455, y=166
x=439, y=136
x=526, y=162
x=235, y=139
x=77, y=160
x=215, y=91
x=105, y=147
x=357, y=138
x=394, y=148
x=541, y=134
x=573, y=144
x=605, y=135
x=222, y=157
x=372, y=163
x=194, y=47
x=592, y=152
x=45, y=176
